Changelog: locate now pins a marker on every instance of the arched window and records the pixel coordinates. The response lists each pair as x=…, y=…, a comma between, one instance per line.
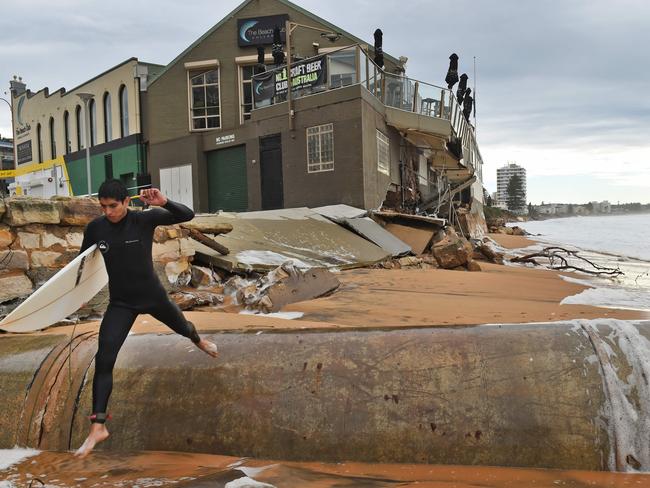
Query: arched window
x=66, y=132
x=124, y=112
x=108, y=118
x=78, y=119
x=52, y=139
x=93, y=122
x=39, y=143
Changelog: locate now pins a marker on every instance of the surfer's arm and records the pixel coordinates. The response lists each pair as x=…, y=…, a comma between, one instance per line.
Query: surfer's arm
x=170, y=213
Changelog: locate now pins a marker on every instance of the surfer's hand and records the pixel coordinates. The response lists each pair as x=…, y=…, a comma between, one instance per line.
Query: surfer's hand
x=153, y=196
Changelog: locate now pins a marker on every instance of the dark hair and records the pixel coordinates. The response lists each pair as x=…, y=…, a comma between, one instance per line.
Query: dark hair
x=114, y=189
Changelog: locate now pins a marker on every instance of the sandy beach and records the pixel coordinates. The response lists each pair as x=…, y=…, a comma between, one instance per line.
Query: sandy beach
x=368, y=299
x=385, y=299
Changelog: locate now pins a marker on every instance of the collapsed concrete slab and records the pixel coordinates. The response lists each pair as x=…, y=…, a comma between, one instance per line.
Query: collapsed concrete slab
x=371, y=230
x=415, y=230
x=338, y=213
x=261, y=241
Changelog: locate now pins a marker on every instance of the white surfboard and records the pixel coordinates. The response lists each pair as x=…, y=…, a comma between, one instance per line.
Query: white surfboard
x=61, y=295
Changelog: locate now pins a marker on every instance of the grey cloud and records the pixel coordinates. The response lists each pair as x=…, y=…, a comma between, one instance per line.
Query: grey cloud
x=555, y=73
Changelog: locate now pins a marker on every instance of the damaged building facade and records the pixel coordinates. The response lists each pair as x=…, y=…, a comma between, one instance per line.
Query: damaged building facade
x=222, y=134
x=217, y=130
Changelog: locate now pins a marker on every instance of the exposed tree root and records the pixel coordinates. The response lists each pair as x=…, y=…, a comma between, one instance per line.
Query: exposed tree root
x=559, y=260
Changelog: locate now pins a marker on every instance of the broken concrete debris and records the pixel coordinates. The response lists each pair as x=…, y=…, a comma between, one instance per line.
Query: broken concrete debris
x=278, y=257
x=484, y=250
x=202, y=277
x=187, y=300
x=498, y=225
x=453, y=251
x=284, y=285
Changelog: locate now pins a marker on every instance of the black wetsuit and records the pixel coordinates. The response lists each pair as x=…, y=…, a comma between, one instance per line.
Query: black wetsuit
x=133, y=286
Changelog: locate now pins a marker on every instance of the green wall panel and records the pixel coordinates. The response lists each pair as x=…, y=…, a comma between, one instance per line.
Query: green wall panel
x=125, y=162
x=227, y=183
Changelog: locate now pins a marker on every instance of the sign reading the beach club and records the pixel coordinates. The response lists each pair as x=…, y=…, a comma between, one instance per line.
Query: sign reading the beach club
x=307, y=74
x=225, y=139
x=259, y=30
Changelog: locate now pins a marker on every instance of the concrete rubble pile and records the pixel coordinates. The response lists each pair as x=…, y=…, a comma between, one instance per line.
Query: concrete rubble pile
x=485, y=250
x=38, y=237
x=448, y=250
x=284, y=285
x=498, y=225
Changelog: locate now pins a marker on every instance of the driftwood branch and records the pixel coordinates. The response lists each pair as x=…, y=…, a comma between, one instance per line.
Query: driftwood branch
x=559, y=259
x=206, y=241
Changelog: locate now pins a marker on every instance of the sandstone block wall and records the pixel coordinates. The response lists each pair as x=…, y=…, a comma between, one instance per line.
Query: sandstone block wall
x=40, y=236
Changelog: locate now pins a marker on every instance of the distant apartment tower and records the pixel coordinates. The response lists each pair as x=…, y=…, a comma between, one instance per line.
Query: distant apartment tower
x=503, y=178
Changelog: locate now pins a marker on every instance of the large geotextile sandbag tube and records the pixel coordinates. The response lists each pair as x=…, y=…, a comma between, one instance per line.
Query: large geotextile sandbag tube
x=566, y=395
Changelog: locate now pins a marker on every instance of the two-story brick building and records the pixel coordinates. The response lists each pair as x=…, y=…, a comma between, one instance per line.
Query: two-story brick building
x=357, y=134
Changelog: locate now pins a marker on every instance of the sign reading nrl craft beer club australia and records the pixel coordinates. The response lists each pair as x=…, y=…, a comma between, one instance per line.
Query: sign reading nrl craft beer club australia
x=309, y=74
x=259, y=30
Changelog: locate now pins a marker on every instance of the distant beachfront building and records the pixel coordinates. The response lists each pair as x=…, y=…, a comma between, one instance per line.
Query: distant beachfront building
x=503, y=178
x=547, y=209
x=601, y=207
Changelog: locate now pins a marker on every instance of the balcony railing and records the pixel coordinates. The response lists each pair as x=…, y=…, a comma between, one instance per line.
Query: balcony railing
x=352, y=65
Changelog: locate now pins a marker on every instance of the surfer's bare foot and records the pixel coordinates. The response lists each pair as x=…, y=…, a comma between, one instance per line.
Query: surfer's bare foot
x=208, y=347
x=98, y=433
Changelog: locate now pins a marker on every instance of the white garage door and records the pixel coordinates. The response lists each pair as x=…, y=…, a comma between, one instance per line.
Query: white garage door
x=176, y=184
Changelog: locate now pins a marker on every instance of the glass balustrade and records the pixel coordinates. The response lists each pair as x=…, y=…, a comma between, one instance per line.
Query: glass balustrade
x=352, y=65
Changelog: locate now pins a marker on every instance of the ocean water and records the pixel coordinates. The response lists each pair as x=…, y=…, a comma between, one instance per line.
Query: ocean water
x=617, y=241
x=620, y=235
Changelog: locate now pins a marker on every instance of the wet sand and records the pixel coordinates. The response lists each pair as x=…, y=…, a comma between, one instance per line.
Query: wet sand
x=384, y=299
x=148, y=469
x=498, y=294
x=512, y=242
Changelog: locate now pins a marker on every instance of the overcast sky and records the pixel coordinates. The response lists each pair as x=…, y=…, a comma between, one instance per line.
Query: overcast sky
x=562, y=85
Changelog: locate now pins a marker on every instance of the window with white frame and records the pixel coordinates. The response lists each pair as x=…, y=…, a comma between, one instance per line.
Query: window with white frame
x=383, y=153
x=246, y=73
x=320, y=148
x=204, y=99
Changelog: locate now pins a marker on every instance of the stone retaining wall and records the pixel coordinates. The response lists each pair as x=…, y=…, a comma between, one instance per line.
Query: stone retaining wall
x=38, y=237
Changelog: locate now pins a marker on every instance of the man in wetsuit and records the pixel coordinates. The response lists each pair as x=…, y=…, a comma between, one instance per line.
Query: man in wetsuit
x=125, y=239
